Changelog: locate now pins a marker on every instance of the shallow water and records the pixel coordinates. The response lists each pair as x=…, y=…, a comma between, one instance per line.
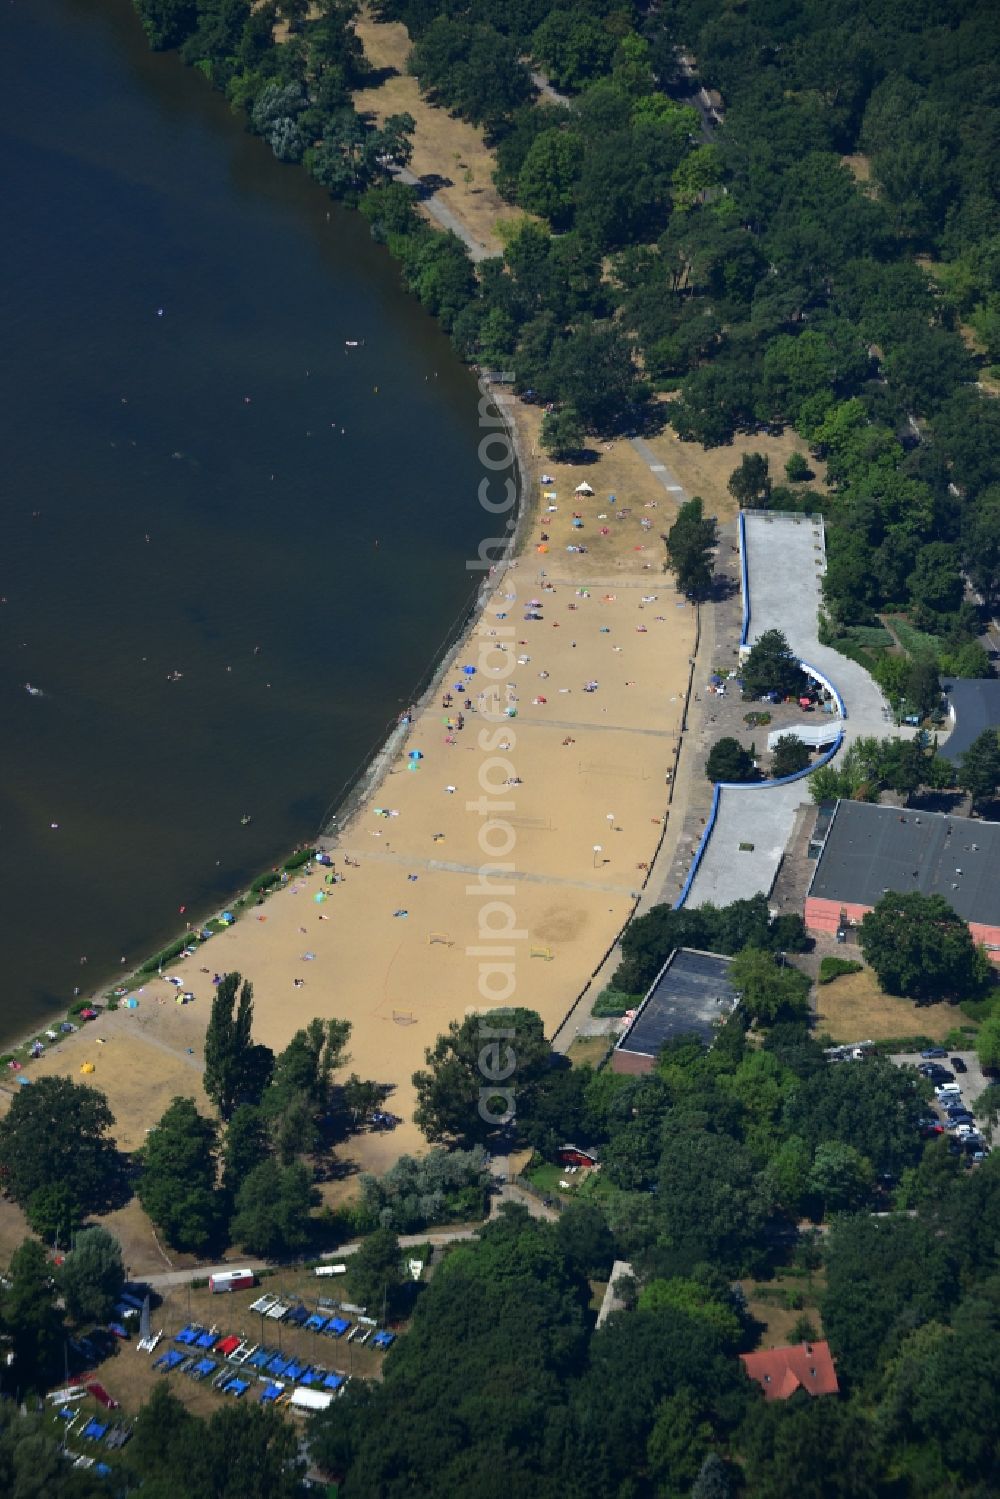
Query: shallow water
x=196, y=472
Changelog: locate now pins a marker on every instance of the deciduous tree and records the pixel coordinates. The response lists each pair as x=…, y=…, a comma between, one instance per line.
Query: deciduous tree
x=921, y=949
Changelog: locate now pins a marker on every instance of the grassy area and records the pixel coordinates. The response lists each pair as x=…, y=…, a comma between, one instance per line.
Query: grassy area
x=129, y=1375
x=779, y=1304
x=590, y=1051
x=916, y=643
x=854, y=1008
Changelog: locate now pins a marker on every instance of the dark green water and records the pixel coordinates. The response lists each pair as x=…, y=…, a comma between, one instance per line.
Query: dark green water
x=155, y=520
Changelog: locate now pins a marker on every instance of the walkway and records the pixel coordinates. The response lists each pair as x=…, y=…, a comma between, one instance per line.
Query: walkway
x=785, y=561
x=443, y=215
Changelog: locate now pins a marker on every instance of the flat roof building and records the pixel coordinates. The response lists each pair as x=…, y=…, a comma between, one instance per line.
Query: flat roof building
x=870, y=850
x=691, y=995
x=973, y=705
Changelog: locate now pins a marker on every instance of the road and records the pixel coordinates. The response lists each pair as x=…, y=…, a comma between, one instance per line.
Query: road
x=508, y=1192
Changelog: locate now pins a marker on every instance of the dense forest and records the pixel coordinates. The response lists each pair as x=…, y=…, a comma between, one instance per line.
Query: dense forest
x=826, y=257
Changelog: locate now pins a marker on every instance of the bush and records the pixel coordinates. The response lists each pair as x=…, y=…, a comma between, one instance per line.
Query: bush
x=833, y=968
x=612, y=1001
x=297, y=860
x=265, y=881
x=166, y=956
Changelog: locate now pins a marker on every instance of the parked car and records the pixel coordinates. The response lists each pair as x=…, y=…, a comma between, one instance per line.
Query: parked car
x=929, y=1131
x=933, y=1051
x=958, y=1064
x=961, y=1124
x=948, y=1090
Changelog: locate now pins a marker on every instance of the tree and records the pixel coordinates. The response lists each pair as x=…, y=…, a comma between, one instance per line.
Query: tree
x=711, y=1203
x=782, y=1440
x=273, y=1209
x=167, y=23
x=922, y=686
x=29, y=1314
x=92, y=1276
x=242, y=1452
x=56, y=1134
x=772, y=666
x=790, y=755
x=375, y=1272
x=713, y=1481
x=988, y=1044
x=840, y=1177
x=54, y=1212
x=729, y=761
x=768, y=993
x=307, y=1064
x=585, y=1239
x=247, y=1144
x=236, y=1071
x=480, y=1074
x=688, y=1295
x=979, y=768
x=561, y=434
x=678, y=1444
x=546, y=181
x=936, y=582
x=691, y=542
x=750, y=484
x=178, y=1183
x=797, y=470
x=921, y=949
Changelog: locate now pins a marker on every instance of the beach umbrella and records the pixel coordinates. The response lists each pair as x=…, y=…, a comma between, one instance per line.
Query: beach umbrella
x=131, y=1004
x=583, y=488
x=88, y=1067
x=470, y=671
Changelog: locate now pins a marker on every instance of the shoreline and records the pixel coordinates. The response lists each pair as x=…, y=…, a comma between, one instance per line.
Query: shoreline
x=361, y=784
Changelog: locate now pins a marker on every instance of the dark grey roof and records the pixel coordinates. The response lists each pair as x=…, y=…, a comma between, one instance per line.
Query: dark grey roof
x=871, y=849
x=690, y=995
x=976, y=706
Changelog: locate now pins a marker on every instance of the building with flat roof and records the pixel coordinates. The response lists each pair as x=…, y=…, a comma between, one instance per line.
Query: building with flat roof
x=691, y=995
x=973, y=705
x=870, y=850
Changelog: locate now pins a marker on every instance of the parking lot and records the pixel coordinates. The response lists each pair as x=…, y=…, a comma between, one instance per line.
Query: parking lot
x=972, y=1084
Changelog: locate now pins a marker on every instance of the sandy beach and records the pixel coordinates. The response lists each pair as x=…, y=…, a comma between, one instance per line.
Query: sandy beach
x=559, y=775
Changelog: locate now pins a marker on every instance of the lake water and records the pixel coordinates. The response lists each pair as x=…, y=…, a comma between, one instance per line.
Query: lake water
x=195, y=474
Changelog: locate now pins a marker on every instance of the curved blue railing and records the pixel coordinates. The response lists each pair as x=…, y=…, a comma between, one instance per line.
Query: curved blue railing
x=717, y=790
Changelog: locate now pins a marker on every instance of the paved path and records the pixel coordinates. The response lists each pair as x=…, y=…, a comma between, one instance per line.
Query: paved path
x=526, y=876
x=508, y=1192
x=659, y=470
x=548, y=92
x=443, y=215
x=786, y=559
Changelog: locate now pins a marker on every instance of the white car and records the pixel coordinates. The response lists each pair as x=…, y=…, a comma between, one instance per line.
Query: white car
x=947, y=1090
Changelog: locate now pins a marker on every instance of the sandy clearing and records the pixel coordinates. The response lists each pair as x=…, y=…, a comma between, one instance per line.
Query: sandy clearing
x=608, y=615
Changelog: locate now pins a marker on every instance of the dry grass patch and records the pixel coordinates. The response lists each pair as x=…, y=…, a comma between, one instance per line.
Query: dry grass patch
x=706, y=471
x=854, y=1008
x=768, y=1302
x=589, y=1051
x=442, y=143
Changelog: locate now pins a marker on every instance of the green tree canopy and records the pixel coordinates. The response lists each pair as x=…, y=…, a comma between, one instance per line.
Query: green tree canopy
x=691, y=543
x=55, y=1133
x=375, y=1271
x=772, y=666
x=178, y=1183
x=273, y=1209
x=729, y=761
x=790, y=755
x=236, y=1071
x=480, y=1074
x=92, y=1275
x=750, y=483
x=30, y=1317
x=921, y=949
x=979, y=767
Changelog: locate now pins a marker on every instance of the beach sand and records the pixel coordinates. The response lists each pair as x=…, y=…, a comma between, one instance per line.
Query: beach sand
x=591, y=770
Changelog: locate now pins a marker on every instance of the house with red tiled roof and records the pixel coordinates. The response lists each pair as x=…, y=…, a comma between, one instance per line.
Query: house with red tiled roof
x=782, y=1371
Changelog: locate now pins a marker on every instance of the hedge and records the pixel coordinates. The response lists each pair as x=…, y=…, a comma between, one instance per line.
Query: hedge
x=302, y=857
x=265, y=881
x=831, y=968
